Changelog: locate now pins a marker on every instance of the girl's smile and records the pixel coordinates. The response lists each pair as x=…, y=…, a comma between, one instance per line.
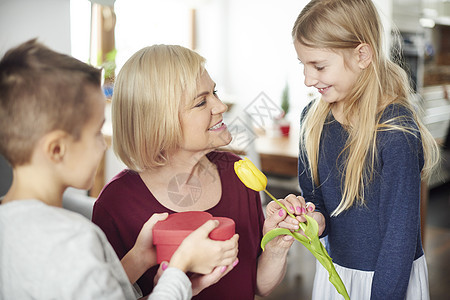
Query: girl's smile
x=324, y=90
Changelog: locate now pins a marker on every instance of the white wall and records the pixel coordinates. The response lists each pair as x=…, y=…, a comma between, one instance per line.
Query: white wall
x=247, y=43
x=21, y=20
x=249, y=48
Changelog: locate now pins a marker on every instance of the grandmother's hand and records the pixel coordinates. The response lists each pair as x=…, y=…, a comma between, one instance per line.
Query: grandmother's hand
x=276, y=217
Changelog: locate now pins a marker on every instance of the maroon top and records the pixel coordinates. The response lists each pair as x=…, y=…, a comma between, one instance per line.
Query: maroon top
x=125, y=204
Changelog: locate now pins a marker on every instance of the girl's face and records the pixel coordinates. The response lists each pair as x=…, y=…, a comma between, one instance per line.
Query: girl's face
x=84, y=154
x=325, y=70
x=201, y=119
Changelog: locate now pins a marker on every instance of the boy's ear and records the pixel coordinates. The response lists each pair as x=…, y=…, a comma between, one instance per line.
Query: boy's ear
x=364, y=55
x=55, y=145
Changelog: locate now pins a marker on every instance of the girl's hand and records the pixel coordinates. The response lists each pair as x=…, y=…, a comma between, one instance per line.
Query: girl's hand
x=199, y=254
x=276, y=217
x=298, y=207
x=318, y=217
x=295, y=204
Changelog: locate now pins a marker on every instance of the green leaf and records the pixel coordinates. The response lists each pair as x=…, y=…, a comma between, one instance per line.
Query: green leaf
x=313, y=244
x=285, y=99
x=312, y=228
x=273, y=234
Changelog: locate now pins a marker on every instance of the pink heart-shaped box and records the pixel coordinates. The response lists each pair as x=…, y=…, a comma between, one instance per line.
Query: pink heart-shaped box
x=168, y=234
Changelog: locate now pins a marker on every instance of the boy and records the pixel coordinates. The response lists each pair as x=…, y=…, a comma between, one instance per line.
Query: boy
x=51, y=116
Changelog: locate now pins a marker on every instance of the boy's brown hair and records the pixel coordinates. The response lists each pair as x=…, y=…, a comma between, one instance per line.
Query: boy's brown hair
x=41, y=91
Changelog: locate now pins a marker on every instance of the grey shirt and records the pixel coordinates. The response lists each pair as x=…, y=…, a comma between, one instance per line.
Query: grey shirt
x=50, y=253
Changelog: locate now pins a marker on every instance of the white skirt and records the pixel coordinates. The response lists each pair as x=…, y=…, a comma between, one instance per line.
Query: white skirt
x=359, y=283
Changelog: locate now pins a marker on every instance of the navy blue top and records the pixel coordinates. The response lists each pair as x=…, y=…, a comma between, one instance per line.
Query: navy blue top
x=383, y=235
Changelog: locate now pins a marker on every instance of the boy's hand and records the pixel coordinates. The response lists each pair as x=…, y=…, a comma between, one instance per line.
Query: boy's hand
x=199, y=254
x=199, y=281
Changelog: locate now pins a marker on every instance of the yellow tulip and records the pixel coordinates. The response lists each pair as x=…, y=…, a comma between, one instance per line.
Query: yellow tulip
x=250, y=175
x=254, y=179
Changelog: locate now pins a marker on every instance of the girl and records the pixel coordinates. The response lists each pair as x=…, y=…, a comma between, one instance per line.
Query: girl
x=363, y=154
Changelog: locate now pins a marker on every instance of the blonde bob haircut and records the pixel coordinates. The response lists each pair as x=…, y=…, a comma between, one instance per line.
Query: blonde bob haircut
x=150, y=91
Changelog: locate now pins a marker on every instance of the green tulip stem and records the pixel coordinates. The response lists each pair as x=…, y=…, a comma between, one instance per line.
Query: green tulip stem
x=279, y=203
x=311, y=241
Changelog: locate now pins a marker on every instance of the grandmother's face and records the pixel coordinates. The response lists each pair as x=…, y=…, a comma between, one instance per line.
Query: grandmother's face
x=201, y=118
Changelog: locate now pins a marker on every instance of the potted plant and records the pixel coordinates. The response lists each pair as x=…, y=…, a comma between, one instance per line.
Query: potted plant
x=283, y=121
x=109, y=67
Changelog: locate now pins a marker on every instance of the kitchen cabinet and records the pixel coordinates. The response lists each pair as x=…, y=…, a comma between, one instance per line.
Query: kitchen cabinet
x=435, y=106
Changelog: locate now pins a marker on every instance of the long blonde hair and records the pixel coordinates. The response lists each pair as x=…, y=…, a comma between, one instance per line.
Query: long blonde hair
x=343, y=25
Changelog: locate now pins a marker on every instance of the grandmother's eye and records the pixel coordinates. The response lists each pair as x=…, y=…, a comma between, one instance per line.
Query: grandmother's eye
x=201, y=103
